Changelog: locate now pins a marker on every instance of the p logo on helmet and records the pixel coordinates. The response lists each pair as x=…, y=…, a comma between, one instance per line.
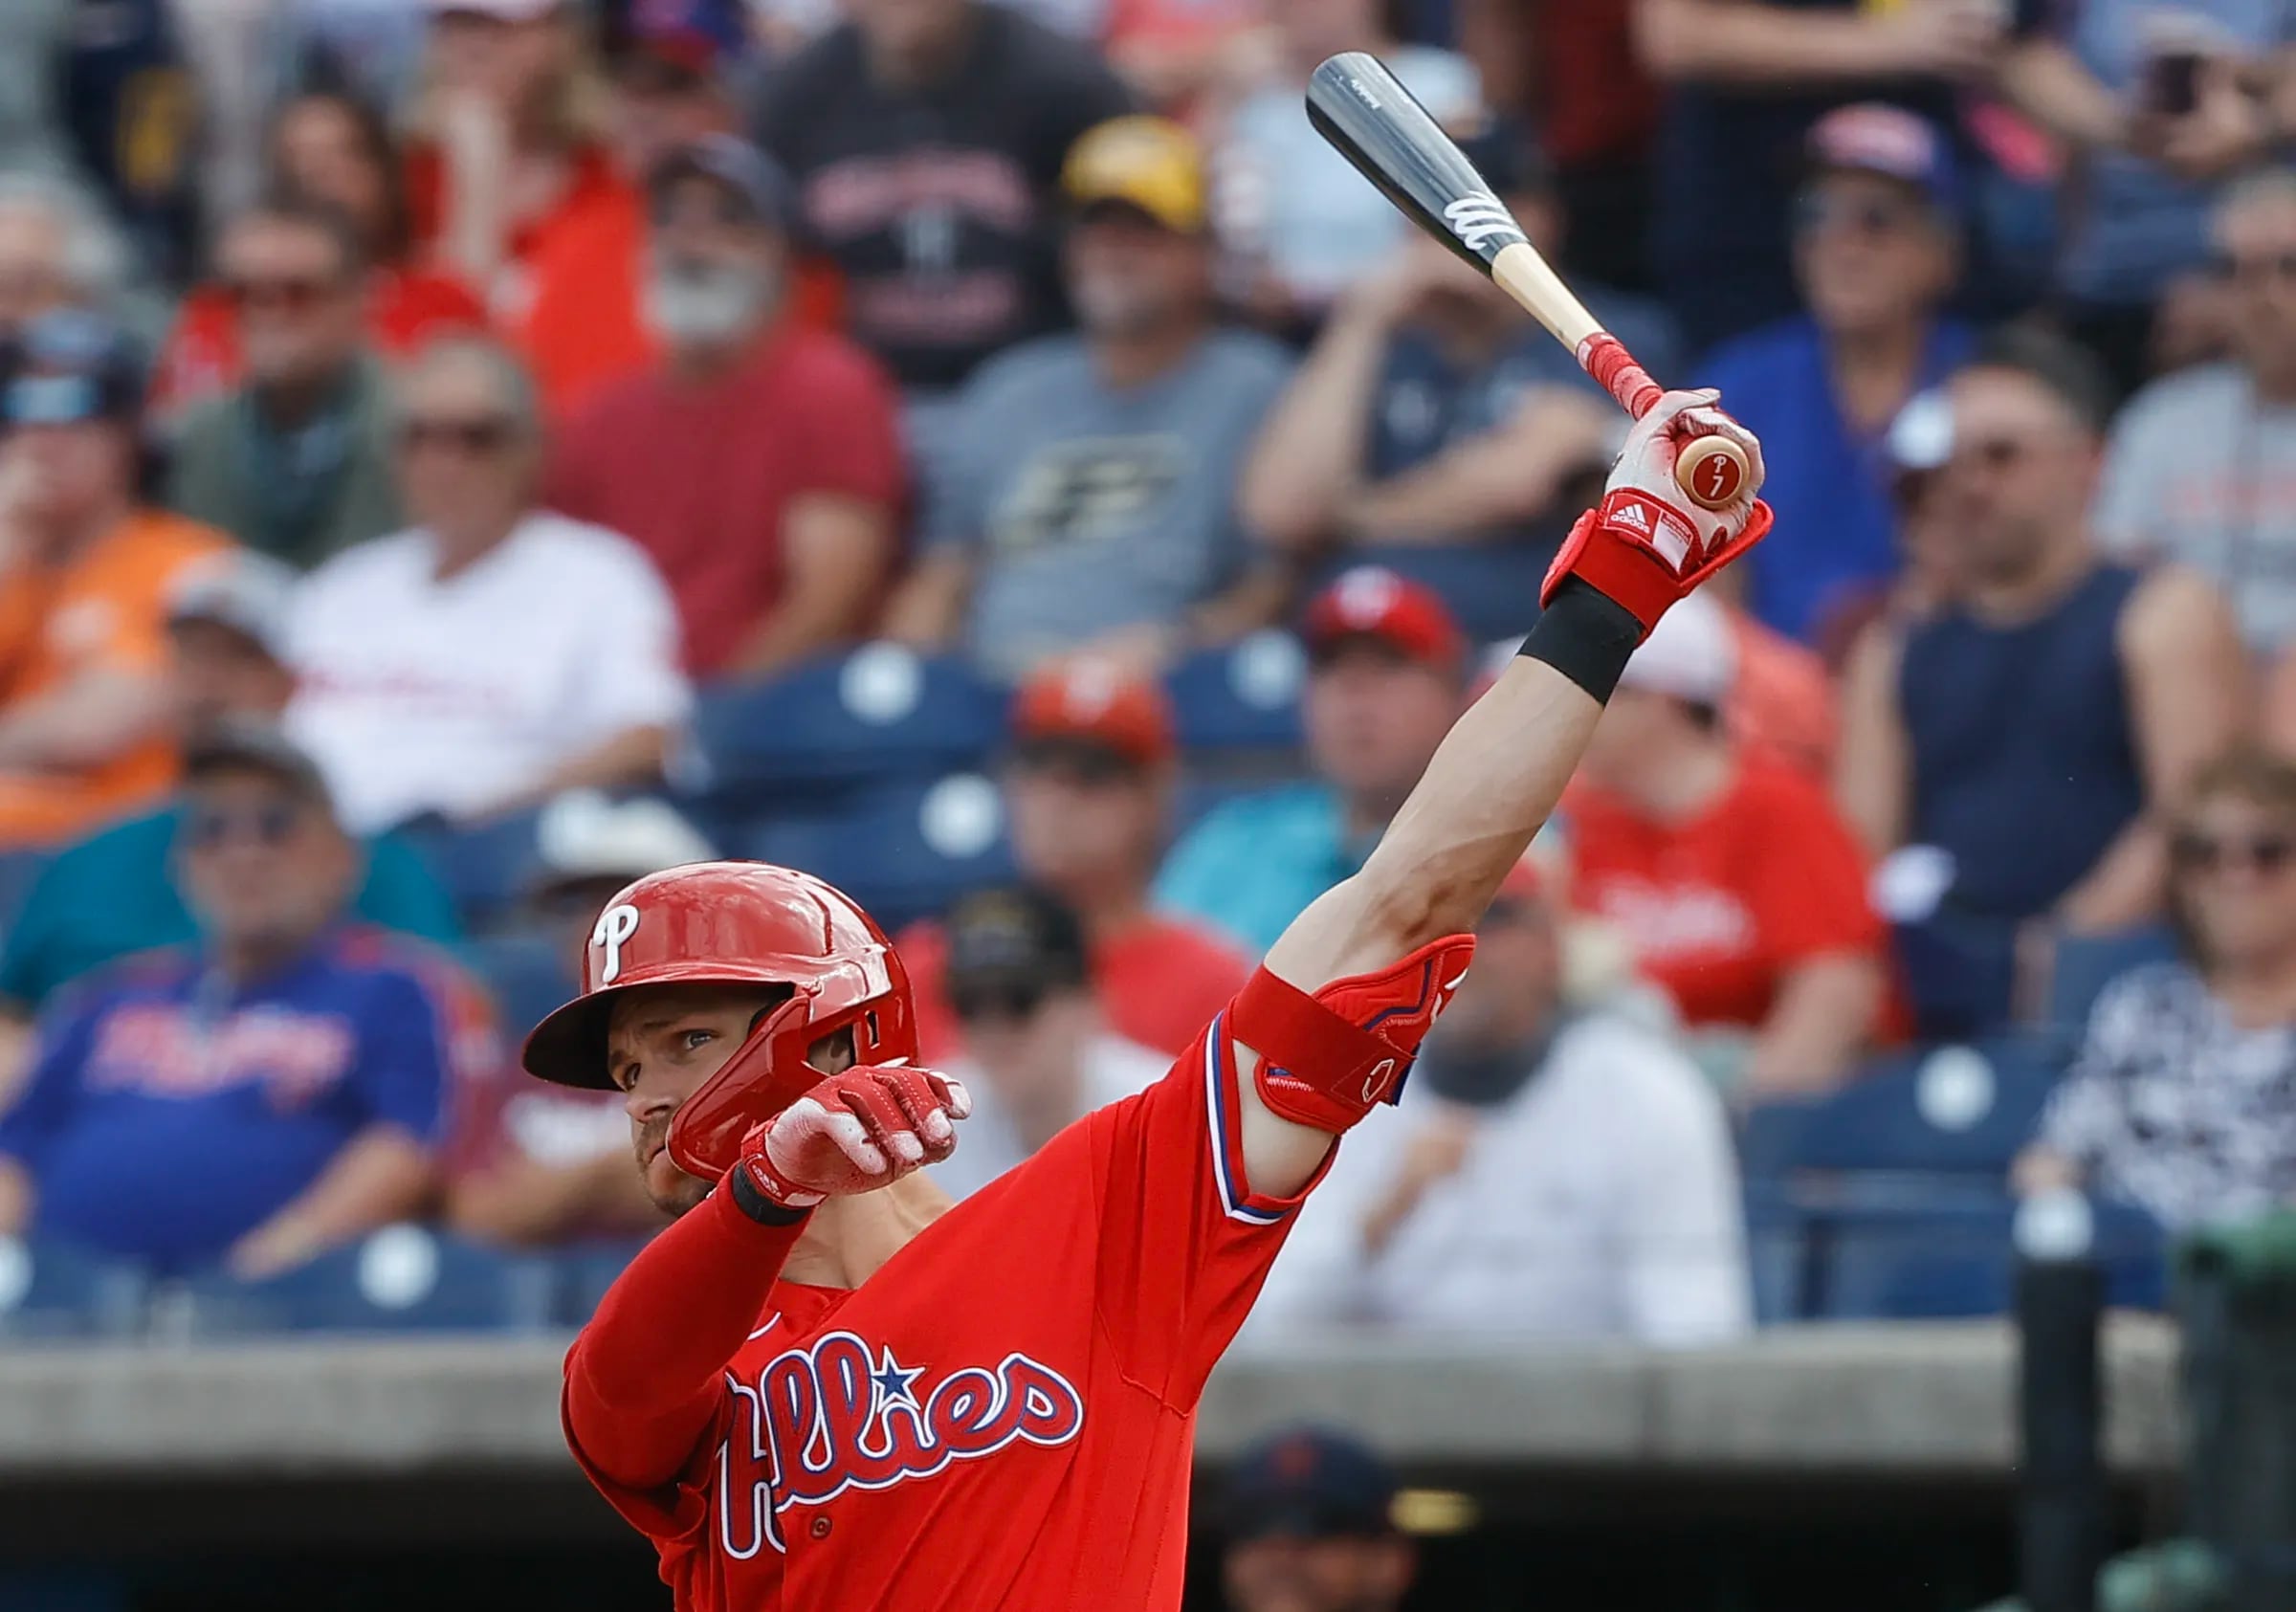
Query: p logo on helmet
x=615, y=926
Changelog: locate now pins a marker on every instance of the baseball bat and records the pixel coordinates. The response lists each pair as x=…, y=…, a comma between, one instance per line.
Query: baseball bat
x=1375, y=124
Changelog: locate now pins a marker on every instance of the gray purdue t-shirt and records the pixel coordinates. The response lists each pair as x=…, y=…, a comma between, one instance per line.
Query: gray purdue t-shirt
x=1088, y=509
x=2202, y=472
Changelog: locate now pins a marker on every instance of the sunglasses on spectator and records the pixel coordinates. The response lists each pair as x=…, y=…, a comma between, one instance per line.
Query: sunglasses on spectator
x=271, y=825
x=2208, y=853
x=1990, y=455
x=2236, y=269
x=472, y=439
x=285, y=294
x=1816, y=210
x=1002, y=1001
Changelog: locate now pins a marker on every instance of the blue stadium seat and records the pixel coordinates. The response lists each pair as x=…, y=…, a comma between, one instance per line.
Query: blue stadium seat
x=1911, y=1251
x=2087, y=964
x=403, y=1278
x=877, y=714
x=584, y=1273
x=1241, y=702
x=1942, y=1110
x=903, y=852
x=52, y=1290
x=528, y=976
x=484, y=868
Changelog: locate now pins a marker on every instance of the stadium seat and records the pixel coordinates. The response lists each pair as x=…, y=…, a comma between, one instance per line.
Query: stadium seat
x=403, y=1278
x=52, y=1290
x=1914, y=1252
x=586, y=1272
x=485, y=868
x=1240, y=704
x=903, y=852
x=879, y=714
x=1949, y=1110
x=528, y=975
x=2087, y=964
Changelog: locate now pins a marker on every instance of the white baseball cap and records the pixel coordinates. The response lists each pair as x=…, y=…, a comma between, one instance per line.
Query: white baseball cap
x=1690, y=655
x=251, y=593
x=582, y=835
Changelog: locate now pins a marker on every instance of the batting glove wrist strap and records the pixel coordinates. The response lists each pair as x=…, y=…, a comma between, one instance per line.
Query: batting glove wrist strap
x=760, y=1205
x=1645, y=552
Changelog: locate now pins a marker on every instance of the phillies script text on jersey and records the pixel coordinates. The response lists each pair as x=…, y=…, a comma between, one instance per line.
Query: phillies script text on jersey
x=840, y=1419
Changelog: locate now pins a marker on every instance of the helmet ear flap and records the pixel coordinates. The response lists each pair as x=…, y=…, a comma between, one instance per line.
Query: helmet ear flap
x=766, y=1074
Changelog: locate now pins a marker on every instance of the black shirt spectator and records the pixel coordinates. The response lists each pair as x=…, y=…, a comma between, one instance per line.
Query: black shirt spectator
x=926, y=141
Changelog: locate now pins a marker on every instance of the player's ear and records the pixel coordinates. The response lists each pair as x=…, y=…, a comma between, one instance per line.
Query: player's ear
x=833, y=1053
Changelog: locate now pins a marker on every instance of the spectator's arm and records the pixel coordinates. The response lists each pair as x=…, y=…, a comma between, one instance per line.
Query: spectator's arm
x=633, y=756
x=1254, y=600
x=1822, y=1018
x=836, y=551
x=1873, y=774
x=1487, y=484
x=1308, y=463
x=95, y=717
x=1750, y=46
x=2049, y=84
x=929, y=605
x=2187, y=677
x=382, y=1174
x=520, y=1201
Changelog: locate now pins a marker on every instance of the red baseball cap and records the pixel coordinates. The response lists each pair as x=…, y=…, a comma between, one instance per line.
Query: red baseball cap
x=1373, y=602
x=1089, y=702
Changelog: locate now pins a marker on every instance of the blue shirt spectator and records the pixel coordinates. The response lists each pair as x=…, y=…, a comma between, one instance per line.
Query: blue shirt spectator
x=255, y=1097
x=1437, y=432
x=1876, y=251
x=1386, y=681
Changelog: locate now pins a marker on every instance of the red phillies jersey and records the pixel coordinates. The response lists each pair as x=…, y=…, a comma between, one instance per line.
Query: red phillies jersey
x=1000, y=1419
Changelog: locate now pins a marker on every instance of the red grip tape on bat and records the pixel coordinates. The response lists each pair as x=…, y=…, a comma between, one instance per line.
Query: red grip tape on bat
x=1601, y=355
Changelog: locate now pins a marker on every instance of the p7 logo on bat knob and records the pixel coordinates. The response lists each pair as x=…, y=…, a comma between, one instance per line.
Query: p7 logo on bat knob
x=1718, y=473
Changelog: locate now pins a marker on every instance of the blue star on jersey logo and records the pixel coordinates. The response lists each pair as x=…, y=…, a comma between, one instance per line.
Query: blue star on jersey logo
x=890, y=1382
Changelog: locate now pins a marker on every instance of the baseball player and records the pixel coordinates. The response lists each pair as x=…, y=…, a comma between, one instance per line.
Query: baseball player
x=823, y=1387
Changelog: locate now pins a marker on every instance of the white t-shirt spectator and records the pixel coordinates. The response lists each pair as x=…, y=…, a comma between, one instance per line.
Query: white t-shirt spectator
x=987, y=1143
x=1599, y=1200
x=417, y=695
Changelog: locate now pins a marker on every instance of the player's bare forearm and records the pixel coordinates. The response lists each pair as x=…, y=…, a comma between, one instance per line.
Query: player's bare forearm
x=645, y=1378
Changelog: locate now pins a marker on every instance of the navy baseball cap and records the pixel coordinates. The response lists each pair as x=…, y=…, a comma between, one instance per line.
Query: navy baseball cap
x=733, y=162
x=1309, y=1483
x=1874, y=137
x=71, y=367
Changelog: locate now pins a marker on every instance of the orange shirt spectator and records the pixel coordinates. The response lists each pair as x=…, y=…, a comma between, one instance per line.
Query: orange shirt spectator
x=1720, y=905
x=102, y=612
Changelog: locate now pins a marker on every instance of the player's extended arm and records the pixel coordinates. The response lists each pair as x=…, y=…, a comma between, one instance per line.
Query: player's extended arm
x=1499, y=772
x=645, y=1378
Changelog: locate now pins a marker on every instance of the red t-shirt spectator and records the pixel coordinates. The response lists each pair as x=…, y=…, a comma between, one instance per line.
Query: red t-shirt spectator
x=701, y=475
x=583, y=323
x=202, y=355
x=1159, y=982
x=1719, y=907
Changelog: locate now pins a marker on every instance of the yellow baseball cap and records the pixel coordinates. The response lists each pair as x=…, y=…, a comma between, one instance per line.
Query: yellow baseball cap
x=1150, y=162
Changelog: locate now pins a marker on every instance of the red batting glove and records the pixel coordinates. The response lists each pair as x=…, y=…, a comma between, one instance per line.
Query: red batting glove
x=864, y=1128
x=1647, y=544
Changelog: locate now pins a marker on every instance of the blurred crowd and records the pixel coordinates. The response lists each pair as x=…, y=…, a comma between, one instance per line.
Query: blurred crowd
x=440, y=437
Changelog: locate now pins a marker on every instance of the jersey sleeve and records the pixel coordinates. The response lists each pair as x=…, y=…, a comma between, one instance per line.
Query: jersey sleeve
x=1186, y=1238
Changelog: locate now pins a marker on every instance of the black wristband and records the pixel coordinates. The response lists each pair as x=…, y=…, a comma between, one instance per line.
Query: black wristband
x=757, y=1206
x=1585, y=636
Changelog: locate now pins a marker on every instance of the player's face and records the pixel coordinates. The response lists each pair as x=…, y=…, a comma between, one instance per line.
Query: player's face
x=1280, y=1574
x=661, y=1043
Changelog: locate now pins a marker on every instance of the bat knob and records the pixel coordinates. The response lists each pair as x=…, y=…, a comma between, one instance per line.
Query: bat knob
x=1712, y=470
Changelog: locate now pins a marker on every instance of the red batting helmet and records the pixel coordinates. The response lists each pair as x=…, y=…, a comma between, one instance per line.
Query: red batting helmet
x=724, y=922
